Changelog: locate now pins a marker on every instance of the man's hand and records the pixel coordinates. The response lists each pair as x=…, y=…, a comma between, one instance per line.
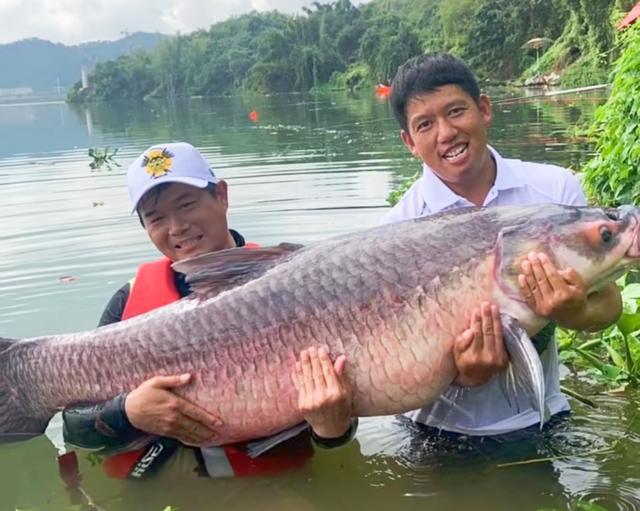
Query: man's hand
x=479, y=352
x=562, y=295
x=154, y=409
x=323, y=398
x=559, y=295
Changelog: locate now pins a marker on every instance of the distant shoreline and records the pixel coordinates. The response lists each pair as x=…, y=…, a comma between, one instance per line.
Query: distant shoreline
x=32, y=99
x=34, y=102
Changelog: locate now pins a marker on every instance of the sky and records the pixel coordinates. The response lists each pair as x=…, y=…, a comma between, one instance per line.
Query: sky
x=77, y=21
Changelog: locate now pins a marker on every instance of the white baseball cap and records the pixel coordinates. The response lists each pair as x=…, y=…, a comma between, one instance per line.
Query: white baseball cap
x=176, y=162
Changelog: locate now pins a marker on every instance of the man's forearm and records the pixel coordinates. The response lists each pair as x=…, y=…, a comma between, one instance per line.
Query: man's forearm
x=601, y=309
x=102, y=426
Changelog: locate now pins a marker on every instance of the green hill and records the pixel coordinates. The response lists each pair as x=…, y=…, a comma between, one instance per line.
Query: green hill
x=43, y=65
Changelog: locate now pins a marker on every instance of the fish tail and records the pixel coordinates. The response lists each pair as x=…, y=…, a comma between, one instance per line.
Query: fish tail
x=15, y=424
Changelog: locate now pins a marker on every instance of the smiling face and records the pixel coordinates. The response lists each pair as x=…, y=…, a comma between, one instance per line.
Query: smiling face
x=447, y=130
x=184, y=221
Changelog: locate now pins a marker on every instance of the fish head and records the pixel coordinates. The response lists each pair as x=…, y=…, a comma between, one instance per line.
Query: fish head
x=599, y=243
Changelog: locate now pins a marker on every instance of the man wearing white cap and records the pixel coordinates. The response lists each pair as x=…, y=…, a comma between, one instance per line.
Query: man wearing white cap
x=183, y=207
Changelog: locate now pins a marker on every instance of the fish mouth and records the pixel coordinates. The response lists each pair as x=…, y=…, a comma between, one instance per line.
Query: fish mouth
x=632, y=215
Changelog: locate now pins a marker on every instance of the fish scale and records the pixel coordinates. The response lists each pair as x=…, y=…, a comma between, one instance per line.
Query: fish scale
x=392, y=299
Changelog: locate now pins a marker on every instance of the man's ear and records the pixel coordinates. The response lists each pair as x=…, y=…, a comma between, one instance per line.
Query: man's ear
x=222, y=192
x=485, y=110
x=409, y=143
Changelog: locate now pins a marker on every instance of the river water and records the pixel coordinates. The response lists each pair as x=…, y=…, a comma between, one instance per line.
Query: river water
x=311, y=167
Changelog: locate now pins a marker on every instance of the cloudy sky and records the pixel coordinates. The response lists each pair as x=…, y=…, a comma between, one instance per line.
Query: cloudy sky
x=75, y=21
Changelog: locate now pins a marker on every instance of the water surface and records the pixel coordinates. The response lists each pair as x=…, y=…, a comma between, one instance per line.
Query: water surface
x=311, y=168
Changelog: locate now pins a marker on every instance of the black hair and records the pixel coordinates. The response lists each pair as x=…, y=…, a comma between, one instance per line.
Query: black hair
x=156, y=191
x=426, y=73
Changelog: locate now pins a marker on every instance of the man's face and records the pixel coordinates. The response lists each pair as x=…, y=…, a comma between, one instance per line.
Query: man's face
x=185, y=221
x=447, y=130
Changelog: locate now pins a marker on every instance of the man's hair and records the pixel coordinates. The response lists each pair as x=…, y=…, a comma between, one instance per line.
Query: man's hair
x=427, y=73
x=156, y=191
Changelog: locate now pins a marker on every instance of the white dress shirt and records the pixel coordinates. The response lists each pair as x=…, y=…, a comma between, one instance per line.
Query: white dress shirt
x=484, y=410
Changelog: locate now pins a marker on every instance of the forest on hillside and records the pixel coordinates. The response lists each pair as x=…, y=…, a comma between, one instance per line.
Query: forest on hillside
x=341, y=45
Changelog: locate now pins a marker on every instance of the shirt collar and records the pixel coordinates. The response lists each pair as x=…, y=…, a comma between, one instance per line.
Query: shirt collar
x=437, y=196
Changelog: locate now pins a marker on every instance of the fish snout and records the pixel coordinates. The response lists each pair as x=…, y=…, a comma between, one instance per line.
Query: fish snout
x=630, y=215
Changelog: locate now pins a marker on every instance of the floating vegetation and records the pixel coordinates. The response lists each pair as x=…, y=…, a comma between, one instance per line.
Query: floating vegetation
x=396, y=194
x=613, y=355
x=580, y=505
x=102, y=159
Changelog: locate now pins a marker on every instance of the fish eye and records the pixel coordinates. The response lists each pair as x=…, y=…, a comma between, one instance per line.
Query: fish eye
x=605, y=234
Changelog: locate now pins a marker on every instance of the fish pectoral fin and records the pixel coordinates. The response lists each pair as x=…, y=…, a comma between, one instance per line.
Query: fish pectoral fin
x=526, y=367
x=258, y=447
x=215, y=272
x=508, y=386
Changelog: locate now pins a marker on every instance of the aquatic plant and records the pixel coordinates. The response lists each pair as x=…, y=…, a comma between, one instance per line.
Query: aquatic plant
x=613, y=355
x=102, y=158
x=580, y=505
x=396, y=194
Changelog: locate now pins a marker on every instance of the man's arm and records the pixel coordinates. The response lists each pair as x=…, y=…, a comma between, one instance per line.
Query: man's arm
x=603, y=308
x=479, y=351
x=150, y=410
x=103, y=427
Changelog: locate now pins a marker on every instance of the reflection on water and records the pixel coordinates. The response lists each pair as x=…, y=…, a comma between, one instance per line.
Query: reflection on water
x=312, y=167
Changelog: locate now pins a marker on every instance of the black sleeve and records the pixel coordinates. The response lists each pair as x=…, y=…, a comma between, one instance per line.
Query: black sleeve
x=331, y=443
x=542, y=339
x=114, y=309
x=103, y=426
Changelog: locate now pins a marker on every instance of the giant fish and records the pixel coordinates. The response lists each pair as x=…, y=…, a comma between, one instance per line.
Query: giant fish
x=392, y=299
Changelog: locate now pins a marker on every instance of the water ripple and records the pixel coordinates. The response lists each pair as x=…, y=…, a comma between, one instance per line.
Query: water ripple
x=623, y=497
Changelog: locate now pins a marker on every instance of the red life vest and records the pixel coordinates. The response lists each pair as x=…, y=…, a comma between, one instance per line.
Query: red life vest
x=154, y=287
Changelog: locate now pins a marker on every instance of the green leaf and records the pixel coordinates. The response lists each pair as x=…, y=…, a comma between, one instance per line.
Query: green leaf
x=631, y=292
x=610, y=372
x=628, y=323
x=590, y=506
x=617, y=358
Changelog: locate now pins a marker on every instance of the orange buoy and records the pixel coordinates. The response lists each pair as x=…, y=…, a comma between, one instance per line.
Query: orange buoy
x=253, y=116
x=383, y=90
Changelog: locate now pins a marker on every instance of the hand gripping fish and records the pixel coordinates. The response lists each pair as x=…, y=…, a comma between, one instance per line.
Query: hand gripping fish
x=392, y=299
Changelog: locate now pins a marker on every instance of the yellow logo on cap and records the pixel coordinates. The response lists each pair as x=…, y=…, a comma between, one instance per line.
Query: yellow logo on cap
x=157, y=162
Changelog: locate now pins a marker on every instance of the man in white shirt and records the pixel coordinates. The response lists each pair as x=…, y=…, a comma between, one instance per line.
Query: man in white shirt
x=444, y=121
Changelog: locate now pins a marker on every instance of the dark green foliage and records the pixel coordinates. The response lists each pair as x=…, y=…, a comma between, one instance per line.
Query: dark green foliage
x=492, y=37
x=345, y=45
x=582, y=52
x=612, y=355
x=386, y=45
x=613, y=176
